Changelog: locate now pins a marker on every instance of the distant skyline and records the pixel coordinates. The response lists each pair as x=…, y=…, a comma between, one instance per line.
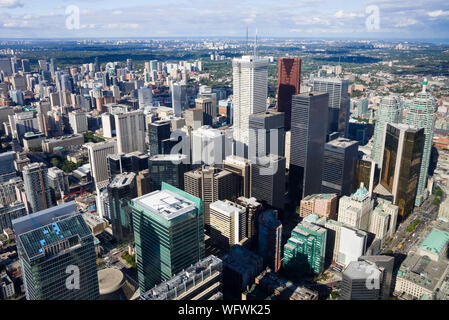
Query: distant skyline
x=398, y=19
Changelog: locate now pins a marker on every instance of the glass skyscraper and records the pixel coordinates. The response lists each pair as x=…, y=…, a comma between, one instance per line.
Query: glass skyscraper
x=168, y=233
x=421, y=114
x=57, y=255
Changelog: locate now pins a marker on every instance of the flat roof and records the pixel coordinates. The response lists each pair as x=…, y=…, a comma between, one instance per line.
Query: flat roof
x=165, y=203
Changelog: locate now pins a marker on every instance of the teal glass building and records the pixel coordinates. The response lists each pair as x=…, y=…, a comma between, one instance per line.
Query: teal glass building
x=168, y=234
x=57, y=255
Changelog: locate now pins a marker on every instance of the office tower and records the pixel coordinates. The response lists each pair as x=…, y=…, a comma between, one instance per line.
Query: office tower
x=368, y=173
x=421, y=114
x=270, y=239
x=356, y=209
x=305, y=251
x=17, y=97
x=308, y=136
x=324, y=205
x=241, y=167
x=240, y=267
x=385, y=264
x=145, y=96
x=108, y=125
x=5, y=67
x=352, y=245
x=266, y=134
x=52, y=67
x=289, y=83
x=361, y=281
x=58, y=182
x=157, y=132
x=78, y=122
x=121, y=191
x=208, y=109
x=250, y=81
x=168, y=168
x=388, y=112
x=130, y=129
x=122, y=163
x=194, y=118
x=10, y=212
x=180, y=101
x=35, y=178
x=227, y=224
x=19, y=83
x=339, y=103
x=208, y=146
x=201, y=281
x=169, y=234
x=98, y=162
x=253, y=209
x=7, y=170
x=268, y=181
x=339, y=166
x=8, y=190
x=210, y=185
x=383, y=220
x=57, y=255
x=143, y=182
x=401, y=164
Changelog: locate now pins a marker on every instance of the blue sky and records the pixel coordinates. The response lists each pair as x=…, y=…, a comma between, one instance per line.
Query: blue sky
x=399, y=19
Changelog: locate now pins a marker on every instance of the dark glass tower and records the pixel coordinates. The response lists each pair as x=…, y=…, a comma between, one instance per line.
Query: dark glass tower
x=289, y=82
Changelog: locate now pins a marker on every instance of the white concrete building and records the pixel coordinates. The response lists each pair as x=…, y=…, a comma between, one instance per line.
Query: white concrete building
x=130, y=129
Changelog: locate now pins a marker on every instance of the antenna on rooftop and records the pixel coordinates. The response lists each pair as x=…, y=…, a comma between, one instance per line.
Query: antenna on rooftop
x=255, y=45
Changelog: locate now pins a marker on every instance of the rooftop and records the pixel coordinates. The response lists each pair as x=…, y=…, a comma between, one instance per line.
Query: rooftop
x=122, y=180
x=165, y=203
x=435, y=242
x=226, y=207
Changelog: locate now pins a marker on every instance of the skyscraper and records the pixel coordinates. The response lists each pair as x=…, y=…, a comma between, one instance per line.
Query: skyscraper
x=145, y=96
x=401, y=165
x=98, y=162
x=168, y=168
x=266, y=134
x=250, y=81
x=308, y=136
x=157, y=132
x=78, y=122
x=388, y=112
x=7, y=170
x=130, y=129
x=270, y=239
x=169, y=234
x=131, y=162
x=210, y=185
x=208, y=146
x=179, y=98
x=36, y=186
x=121, y=191
x=355, y=210
x=339, y=103
x=339, y=166
x=289, y=83
x=57, y=255
x=421, y=114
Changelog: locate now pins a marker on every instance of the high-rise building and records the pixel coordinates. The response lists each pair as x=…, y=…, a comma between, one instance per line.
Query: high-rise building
x=201, y=281
x=157, y=132
x=78, y=122
x=35, y=178
x=121, y=191
x=210, y=185
x=266, y=134
x=388, y=112
x=268, y=181
x=145, y=96
x=98, y=153
x=57, y=255
x=289, y=83
x=339, y=103
x=10, y=212
x=131, y=162
x=194, y=118
x=143, y=182
x=383, y=220
x=168, y=168
x=339, y=166
x=250, y=83
x=208, y=109
x=179, y=98
x=324, y=205
x=304, y=252
x=421, y=114
x=241, y=167
x=270, y=239
x=208, y=146
x=130, y=129
x=253, y=210
x=308, y=136
x=401, y=164
x=7, y=170
x=227, y=224
x=355, y=210
x=58, y=182
x=169, y=234
x=352, y=244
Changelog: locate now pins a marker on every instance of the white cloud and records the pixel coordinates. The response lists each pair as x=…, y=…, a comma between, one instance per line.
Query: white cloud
x=117, y=12
x=10, y=4
x=340, y=14
x=406, y=23
x=437, y=13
